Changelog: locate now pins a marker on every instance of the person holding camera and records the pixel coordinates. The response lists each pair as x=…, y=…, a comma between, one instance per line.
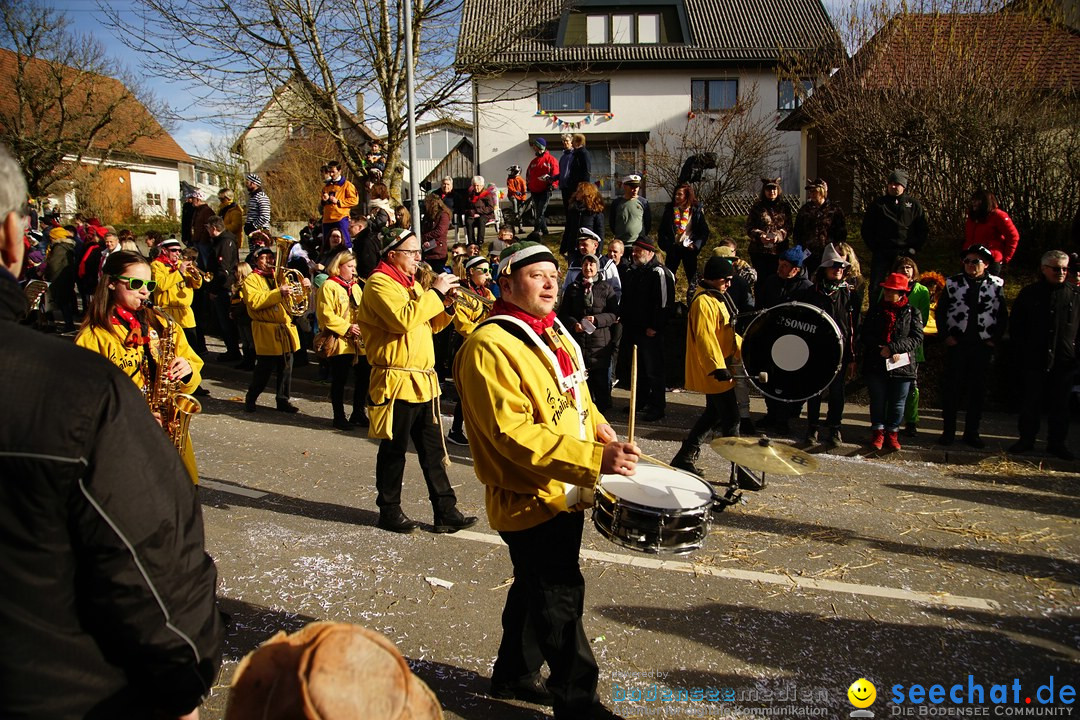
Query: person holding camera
x=339, y=196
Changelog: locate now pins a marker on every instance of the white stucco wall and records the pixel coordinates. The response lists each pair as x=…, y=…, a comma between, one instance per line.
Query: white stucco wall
x=640, y=101
x=157, y=180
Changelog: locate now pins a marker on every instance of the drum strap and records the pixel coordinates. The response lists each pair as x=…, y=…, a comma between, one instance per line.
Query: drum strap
x=575, y=381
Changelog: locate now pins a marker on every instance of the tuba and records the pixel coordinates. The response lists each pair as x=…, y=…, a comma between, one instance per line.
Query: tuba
x=162, y=395
x=297, y=303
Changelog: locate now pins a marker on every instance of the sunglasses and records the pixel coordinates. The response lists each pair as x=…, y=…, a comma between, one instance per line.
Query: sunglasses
x=1056, y=268
x=969, y=261
x=483, y=270
x=137, y=283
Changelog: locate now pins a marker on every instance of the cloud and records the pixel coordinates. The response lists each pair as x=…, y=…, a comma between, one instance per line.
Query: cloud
x=198, y=139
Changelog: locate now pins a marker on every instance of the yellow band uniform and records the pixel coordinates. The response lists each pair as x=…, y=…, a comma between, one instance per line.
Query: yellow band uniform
x=271, y=327
x=175, y=292
x=529, y=441
x=336, y=309
x=711, y=343
x=110, y=343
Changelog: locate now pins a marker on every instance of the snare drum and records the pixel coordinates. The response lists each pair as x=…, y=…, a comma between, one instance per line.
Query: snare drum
x=798, y=346
x=658, y=510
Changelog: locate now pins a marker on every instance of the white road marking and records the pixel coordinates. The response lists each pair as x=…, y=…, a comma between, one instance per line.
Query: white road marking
x=234, y=489
x=655, y=563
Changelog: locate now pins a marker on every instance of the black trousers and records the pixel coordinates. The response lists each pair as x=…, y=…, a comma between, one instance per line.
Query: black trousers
x=651, y=382
x=341, y=366
x=416, y=421
x=720, y=416
x=687, y=257
x=542, y=617
x=966, y=367
x=229, y=333
x=264, y=366
x=1049, y=390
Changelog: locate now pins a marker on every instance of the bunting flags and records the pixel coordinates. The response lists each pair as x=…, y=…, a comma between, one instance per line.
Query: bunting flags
x=560, y=123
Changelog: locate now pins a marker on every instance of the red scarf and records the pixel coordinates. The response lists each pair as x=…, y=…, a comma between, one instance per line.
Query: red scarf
x=125, y=318
x=264, y=273
x=348, y=285
x=407, y=281
x=163, y=258
x=891, y=311
x=540, y=326
x=473, y=195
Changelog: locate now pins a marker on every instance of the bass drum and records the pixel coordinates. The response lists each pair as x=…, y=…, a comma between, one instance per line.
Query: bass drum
x=798, y=346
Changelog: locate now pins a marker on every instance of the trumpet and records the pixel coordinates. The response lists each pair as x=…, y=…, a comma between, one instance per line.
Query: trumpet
x=192, y=256
x=469, y=299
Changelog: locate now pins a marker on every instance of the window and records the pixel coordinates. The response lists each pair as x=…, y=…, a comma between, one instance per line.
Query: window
x=648, y=29
x=575, y=97
x=596, y=29
x=708, y=95
x=153, y=199
x=622, y=29
x=788, y=98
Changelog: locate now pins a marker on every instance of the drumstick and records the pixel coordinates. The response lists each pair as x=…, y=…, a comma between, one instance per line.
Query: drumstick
x=654, y=461
x=633, y=393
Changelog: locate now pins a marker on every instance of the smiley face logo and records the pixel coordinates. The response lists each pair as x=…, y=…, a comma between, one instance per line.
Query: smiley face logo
x=862, y=693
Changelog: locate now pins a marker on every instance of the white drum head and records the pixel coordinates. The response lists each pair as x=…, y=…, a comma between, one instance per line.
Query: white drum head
x=658, y=487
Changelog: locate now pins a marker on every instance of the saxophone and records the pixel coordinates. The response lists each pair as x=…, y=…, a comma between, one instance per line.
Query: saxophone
x=163, y=395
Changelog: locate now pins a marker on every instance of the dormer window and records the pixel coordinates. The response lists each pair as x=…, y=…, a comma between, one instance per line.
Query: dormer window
x=651, y=25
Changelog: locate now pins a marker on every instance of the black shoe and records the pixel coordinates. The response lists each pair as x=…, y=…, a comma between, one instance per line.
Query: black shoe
x=359, y=418
x=457, y=437
x=834, y=438
x=342, y=424
x=974, y=441
x=946, y=438
x=249, y=404
x=653, y=416
x=531, y=691
x=1060, y=452
x=287, y=407
x=229, y=357
x=200, y=392
x=811, y=435
x=746, y=427
x=911, y=430
x=687, y=465
x=395, y=521
x=1020, y=447
x=453, y=522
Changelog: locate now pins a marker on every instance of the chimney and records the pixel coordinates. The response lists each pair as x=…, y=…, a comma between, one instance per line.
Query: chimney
x=360, y=106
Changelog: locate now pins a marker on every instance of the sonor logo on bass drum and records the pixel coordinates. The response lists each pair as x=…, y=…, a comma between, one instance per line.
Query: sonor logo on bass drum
x=801, y=325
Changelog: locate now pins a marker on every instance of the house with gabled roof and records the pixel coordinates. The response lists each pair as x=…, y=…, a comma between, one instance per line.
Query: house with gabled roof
x=444, y=148
x=619, y=71
x=121, y=162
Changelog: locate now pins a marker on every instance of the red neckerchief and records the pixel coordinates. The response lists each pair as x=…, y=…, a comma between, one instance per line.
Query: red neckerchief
x=891, y=311
x=125, y=318
x=386, y=268
x=540, y=326
x=473, y=195
x=264, y=273
x=347, y=284
x=163, y=258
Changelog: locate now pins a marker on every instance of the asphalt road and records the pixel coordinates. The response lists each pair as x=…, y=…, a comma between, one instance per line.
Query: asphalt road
x=903, y=573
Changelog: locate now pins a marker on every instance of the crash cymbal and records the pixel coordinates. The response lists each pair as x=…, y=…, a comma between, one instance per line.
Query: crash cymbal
x=763, y=455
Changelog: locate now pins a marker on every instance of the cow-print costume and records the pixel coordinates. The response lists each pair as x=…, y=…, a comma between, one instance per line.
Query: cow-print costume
x=991, y=300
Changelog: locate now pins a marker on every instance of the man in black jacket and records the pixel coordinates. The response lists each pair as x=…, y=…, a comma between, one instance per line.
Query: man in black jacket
x=1044, y=331
x=108, y=607
x=895, y=224
x=647, y=303
x=223, y=261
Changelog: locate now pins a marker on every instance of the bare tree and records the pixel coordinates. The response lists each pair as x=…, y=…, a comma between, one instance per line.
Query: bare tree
x=964, y=96
x=332, y=51
x=737, y=143
x=62, y=103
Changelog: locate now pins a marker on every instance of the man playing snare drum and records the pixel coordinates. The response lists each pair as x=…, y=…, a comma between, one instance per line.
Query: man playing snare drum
x=536, y=439
x=712, y=347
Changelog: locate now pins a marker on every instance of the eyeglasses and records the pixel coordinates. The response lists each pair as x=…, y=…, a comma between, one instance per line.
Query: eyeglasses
x=414, y=253
x=137, y=283
x=1057, y=268
x=970, y=261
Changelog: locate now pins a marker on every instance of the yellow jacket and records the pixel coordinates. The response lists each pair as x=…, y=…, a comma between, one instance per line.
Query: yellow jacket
x=335, y=313
x=467, y=317
x=174, y=293
x=271, y=327
x=347, y=198
x=530, y=442
x=109, y=343
x=711, y=343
